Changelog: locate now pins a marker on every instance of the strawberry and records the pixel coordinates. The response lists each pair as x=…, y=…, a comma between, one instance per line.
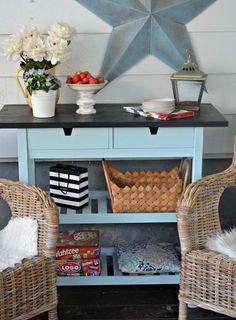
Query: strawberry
x=92, y=81
x=82, y=76
x=100, y=79
x=85, y=80
x=76, y=78
x=69, y=79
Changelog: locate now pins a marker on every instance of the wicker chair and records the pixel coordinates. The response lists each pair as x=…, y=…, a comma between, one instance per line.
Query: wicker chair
x=29, y=288
x=208, y=279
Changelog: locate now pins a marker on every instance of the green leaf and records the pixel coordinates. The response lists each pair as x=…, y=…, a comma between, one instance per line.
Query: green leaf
x=29, y=90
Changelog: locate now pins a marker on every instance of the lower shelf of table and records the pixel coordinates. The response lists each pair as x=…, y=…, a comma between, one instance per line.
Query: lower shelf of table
x=111, y=275
x=99, y=211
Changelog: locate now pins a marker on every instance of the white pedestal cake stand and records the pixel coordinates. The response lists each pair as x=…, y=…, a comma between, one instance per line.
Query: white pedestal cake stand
x=85, y=93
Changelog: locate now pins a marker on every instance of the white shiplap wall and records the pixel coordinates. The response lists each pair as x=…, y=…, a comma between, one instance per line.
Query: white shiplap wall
x=213, y=35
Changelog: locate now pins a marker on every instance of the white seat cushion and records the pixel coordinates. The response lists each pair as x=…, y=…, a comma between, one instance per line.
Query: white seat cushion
x=18, y=240
x=224, y=243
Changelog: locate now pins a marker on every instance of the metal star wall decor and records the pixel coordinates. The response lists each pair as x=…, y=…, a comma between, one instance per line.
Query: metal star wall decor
x=144, y=27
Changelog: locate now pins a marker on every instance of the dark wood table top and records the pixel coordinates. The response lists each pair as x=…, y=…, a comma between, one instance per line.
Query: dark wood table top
x=108, y=115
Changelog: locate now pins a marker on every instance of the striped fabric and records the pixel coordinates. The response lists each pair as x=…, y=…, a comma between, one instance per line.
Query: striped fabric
x=69, y=186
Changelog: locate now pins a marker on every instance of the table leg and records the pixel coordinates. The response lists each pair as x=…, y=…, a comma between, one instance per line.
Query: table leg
x=198, y=154
x=31, y=170
x=23, y=159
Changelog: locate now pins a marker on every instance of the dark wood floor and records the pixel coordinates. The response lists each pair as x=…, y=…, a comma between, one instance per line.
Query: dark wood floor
x=124, y=302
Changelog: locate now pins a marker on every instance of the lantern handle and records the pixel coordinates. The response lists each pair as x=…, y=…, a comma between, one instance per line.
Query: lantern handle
x=190, y=54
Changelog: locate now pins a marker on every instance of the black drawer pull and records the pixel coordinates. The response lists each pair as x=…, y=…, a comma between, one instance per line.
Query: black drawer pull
x=153, y=130
x=67, y=131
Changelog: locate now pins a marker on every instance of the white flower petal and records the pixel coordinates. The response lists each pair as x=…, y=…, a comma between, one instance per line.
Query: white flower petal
x=29, y=32
x=63, y=31
x=34, y=48
x=12, y=47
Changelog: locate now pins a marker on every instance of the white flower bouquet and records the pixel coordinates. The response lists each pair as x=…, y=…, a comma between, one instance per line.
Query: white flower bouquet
x=37, y=50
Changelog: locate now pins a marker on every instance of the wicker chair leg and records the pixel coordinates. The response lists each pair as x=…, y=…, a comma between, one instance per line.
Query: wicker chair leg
x=52, y=314
x=182, y=311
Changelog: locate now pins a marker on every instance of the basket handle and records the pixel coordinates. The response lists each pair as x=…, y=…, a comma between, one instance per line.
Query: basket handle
x=106, y=173
x=185, y=161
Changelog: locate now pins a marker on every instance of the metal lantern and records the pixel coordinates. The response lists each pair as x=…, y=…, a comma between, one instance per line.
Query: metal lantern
x=188, y=86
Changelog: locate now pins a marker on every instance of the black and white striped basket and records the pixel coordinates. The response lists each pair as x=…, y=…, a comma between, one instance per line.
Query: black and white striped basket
x=69, y=185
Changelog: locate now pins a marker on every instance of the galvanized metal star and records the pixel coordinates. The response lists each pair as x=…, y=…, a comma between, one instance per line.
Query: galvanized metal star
x=144, y=27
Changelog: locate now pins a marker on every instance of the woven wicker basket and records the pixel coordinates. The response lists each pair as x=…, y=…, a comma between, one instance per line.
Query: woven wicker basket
x=145, y=191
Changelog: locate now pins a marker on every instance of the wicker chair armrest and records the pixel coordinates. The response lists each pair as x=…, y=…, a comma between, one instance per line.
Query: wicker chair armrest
x=210, y=184
x=30, y=201
x=197, y=211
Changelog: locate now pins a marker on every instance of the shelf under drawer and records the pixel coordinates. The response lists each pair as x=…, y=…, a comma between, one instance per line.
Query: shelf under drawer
x=111, y=275
x=99, y=211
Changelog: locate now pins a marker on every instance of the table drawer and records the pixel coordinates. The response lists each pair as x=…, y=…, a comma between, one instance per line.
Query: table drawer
x=136, y=138
x=80, y=138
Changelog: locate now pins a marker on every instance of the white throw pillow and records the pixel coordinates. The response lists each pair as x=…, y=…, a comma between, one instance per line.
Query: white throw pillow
x=18, y=240
x=224, y=243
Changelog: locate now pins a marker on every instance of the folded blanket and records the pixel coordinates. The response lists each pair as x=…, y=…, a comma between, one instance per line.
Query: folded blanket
x=18, y=240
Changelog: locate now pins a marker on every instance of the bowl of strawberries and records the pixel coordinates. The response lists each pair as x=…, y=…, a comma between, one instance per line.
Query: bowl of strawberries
x=86, y=85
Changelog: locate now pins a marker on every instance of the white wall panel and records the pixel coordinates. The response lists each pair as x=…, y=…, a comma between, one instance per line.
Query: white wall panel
x=215, y=52
x=13, y=95
x=8, y=143
x=220, y=16
x=87, y=52
x=220, y=141
x=222, y=92
x=139, y=88
x=44, y=13
x=150, y=65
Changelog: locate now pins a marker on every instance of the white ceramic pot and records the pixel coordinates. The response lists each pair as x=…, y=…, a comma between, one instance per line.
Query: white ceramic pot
x=43, y=103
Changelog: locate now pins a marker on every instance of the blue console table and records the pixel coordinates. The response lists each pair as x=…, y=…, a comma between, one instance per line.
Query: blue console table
x=111, y=133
